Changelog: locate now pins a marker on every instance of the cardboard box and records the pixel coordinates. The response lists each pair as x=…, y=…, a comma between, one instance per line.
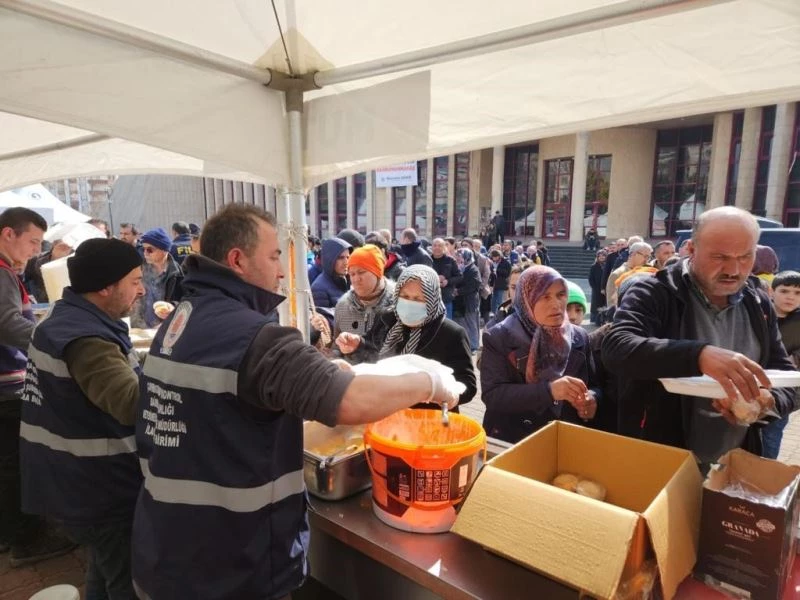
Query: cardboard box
x=652, y=510
x=747, y=543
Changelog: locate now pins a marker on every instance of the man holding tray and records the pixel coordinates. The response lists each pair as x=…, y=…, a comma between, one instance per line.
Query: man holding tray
x=703, y=315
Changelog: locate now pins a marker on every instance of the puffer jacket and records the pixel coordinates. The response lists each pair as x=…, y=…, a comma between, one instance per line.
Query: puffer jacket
x=328, y=287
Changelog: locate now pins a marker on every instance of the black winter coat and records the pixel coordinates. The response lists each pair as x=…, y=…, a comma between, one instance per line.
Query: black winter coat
x=646, y=342
x=444, y=341
x=515, y=409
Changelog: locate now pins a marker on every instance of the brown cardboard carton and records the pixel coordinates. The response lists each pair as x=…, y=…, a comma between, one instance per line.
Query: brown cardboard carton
x=652, y=510
x=747, y=543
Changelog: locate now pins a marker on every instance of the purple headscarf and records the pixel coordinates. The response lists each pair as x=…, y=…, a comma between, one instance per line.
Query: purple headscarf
x=550, y=346
x=766, y=261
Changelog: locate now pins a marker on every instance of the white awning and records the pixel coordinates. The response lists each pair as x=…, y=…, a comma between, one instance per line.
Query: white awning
x=113, y=86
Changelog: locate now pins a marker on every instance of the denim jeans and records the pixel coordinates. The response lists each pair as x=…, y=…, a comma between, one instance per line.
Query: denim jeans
x=448, y=309
x=471, y=322
x=108, y=572
x=498, y=297
x=771, y=437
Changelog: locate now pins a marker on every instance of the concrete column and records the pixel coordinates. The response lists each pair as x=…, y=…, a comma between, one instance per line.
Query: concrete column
x=720, y=154
x=475, y=165
x=409, y=207
x=540, y=179
x=430, y=198
x=332, y=209
x=748, y=158
x=580, y=166
x=451, y=192
x=498, y=171
x=779, y=158
x=351, y=196
x=313, y=226
x=370, y=184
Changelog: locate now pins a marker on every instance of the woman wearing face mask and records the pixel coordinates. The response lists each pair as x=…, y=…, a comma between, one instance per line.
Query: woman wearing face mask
x=416, y=324
x=536, y=366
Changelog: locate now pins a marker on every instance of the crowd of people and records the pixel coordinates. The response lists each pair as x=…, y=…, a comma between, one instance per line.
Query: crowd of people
x=182, y=471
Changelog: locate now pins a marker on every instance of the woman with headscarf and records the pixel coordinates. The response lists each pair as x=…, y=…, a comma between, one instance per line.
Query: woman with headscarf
x=416, y=324
x=536, y=366
x=467, y=299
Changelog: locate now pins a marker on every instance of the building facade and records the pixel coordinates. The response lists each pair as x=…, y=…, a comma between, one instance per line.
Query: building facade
x=651, y=179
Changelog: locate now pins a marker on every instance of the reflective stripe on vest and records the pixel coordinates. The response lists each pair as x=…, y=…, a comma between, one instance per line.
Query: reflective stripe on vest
x=45, y=362
x=202, y=493
x=194, y=377
x=77, y=447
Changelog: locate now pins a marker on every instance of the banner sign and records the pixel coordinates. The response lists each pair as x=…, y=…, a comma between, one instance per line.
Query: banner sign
x=396, y=176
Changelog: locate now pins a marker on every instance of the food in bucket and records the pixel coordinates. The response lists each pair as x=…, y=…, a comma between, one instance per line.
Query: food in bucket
x=163, y=309
x=580, y=485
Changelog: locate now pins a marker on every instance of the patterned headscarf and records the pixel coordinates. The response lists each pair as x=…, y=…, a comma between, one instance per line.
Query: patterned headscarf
x=465, y=257
x=550, y=346
x=429, y=281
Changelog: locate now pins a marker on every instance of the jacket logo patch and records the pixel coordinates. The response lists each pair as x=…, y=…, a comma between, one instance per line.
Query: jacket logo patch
x=176, y=327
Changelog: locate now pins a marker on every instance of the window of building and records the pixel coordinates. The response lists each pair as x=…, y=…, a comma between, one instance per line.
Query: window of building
x=680, y=179
x=340, y=191
x=733, y=158
x=557, y=197
x=762, y=165
x=519, y=190
x=461, y=206
x=440, y=181
x=598, y=185
x=421, y=198
x=791, y=210
x=323, y=219
x=360, y=201
x=399, y=214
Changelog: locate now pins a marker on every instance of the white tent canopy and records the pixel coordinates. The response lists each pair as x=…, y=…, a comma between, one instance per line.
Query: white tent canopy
x=39, y=199
x=114, y=86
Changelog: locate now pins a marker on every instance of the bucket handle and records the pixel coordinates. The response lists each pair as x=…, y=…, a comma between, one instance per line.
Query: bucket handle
x=378, y=479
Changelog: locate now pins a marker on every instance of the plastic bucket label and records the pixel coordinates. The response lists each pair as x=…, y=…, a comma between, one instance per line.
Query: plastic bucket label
x=401, y=485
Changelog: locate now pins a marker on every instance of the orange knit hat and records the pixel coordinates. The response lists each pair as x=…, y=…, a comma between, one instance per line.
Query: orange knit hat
x=370, y=258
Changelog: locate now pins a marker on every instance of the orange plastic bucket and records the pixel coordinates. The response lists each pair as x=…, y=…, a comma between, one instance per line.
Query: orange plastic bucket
x=421, y=469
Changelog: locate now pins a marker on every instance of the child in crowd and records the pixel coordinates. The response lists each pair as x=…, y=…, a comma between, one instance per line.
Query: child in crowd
x=786, y=299
x=576, y=304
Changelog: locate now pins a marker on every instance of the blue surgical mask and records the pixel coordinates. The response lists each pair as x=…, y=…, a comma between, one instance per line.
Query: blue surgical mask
x=411, y=313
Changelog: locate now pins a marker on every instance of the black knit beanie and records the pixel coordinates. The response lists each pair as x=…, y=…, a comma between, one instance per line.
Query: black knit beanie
x=98, y=263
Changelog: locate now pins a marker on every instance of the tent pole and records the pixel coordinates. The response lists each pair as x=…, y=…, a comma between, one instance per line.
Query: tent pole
x=297, y=213
x=628, y=11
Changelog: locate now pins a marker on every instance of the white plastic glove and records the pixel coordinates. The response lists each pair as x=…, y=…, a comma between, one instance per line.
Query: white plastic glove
x=444, y=391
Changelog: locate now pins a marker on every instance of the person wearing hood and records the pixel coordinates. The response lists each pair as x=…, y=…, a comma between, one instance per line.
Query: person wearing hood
x=369, y=293
x=331, y=284
x=223, y=512
x=416, y=324
x=352, y=237
x=536, y=366
x=467, y=299
x=181, y=241
x=394, y=262
x=410, y=246
x=162, y=279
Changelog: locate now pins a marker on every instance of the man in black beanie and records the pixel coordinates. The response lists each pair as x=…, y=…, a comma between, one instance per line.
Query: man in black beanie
x=77, y=435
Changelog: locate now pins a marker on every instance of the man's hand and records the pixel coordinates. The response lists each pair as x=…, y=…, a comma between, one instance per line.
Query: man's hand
x=570, y=389
x=736, y=373
x=589, y=409
x=440, y=394
x=348, y=342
